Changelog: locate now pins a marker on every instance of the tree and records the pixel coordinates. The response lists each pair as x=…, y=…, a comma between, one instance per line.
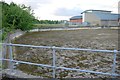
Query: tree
x=16, y=17
x=0, y=16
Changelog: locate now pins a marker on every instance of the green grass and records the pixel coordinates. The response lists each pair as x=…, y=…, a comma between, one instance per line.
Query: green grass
x=48, y=26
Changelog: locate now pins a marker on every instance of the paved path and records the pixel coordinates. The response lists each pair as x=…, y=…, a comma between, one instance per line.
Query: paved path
x=56, y=29
x=17, y=74
x=16, y=34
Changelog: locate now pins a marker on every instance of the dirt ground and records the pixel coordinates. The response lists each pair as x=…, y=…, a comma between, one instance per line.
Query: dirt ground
x=88, y=38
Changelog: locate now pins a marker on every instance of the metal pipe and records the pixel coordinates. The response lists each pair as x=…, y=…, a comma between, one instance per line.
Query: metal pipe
x=114, y=62
x=54, y=62
x=54, y=58
x=21, y=45
x=71, y=69
x=62, y=48
x=81, y=49
x=88, y=71
x=11, y=58
x=23, y=62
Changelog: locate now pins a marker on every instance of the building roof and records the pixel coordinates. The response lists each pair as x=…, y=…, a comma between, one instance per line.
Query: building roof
x=76, y=17
x=95, y=10
x=105, y=16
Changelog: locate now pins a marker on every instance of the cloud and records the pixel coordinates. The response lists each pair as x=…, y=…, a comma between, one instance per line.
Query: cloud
x=37, y=3
x=63, y=9
x=33, y=3
x=67, y=12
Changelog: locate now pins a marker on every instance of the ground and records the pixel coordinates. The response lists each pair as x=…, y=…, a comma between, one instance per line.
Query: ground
x=85, y=38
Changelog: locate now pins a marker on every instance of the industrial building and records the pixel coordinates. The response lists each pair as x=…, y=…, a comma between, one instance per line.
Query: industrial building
x=100, y=18
x=75, y=20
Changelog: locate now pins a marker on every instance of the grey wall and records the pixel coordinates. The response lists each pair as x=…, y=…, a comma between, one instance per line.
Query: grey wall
x=109, y=23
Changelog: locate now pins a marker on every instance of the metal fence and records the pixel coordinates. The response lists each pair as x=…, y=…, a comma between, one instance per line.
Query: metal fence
x=54, y=67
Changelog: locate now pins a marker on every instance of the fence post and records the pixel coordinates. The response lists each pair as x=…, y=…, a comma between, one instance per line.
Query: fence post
x=54, y=61
x=11, y=58
x=114, y=62
x=4, y=48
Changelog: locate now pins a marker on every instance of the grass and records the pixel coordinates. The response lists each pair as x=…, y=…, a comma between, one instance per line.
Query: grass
x=45, y=26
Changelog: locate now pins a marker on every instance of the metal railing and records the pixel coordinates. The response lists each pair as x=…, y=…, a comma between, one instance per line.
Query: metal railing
x=54, y=67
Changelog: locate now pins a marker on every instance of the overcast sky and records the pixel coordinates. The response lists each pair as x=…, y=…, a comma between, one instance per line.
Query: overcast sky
x=64, y=9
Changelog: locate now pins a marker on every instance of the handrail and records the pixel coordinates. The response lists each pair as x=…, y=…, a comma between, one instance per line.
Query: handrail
x=61, y=48
x=72, y=69
x=53, y=66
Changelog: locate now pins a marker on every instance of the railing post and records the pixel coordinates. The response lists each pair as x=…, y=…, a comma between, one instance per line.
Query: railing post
x=114, y=62
x=1, y=58
x=3, y=55
x=54, y=61
x=11, y=57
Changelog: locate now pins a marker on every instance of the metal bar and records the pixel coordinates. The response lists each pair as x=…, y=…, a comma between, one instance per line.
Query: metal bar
x=88, y=71
x=54, y=58
x=4, y=48
x=23, y=62
x=21, y=45
x=114, y=62
x=62, y=48
x=11, y=58
x=71, y=69
x=81, y=49
x=54, y=62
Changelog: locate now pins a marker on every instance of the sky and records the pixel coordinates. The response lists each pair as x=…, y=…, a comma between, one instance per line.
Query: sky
x=64, y=9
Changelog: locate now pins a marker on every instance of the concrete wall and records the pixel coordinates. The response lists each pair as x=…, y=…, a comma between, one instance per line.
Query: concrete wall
x=91, y=18
x=109, y=23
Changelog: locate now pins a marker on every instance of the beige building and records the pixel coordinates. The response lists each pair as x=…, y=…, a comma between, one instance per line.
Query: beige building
x=100, y=18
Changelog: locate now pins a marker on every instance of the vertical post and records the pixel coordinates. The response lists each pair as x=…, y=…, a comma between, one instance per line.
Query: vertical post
x=114, y=62
x=4, y=48
x=54, y=60
x=11, y=58
x=1, y=58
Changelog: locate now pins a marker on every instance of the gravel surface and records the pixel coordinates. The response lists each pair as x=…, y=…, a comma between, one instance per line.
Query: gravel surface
x=85, y=38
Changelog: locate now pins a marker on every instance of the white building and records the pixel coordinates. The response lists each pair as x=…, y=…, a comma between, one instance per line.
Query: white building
x=100, y=18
